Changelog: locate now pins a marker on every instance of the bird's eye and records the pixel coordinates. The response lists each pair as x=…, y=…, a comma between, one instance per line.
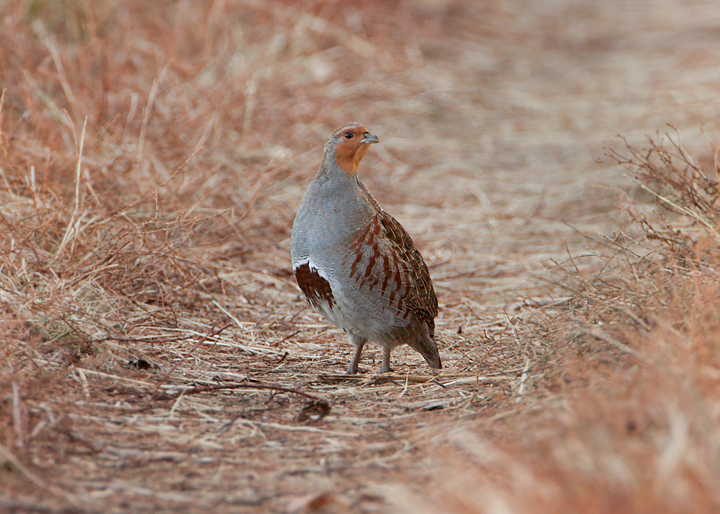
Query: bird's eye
x=349, y=135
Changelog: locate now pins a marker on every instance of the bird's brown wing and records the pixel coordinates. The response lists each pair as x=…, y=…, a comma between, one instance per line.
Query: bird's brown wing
x=422, y=295
x=385, y=261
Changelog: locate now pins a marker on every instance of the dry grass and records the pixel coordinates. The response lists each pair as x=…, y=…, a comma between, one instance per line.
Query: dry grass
x=152, y=157
x=625, y=417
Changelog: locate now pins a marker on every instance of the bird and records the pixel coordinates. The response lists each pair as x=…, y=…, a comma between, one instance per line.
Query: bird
x=356, y=264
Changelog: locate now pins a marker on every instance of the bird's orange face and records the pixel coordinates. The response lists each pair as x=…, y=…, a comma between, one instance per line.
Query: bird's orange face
x=353, y=142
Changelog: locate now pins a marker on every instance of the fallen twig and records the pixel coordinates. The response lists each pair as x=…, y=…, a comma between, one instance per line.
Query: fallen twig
x=313, y=411
x=242, y=385
x=600, y=334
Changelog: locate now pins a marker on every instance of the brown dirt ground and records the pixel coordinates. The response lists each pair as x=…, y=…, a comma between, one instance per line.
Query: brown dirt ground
x=491, y=117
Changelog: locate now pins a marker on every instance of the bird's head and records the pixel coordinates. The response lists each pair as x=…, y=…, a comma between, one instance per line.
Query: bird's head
x=348, y=146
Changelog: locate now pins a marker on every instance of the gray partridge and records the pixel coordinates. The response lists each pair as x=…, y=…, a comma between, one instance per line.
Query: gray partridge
x=356, y=264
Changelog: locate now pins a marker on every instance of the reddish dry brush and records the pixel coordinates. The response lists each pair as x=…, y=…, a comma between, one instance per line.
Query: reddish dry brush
x=110, y=187
x=625, y=416
x=118, y=200
x=664, y=286
x=681, y=187
x=673, y=245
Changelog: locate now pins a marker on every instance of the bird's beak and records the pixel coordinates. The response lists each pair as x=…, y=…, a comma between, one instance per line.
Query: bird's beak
x=369, y=138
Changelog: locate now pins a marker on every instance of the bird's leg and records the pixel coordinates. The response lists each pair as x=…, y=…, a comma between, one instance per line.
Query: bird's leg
x=386, y=360
x=358, y=343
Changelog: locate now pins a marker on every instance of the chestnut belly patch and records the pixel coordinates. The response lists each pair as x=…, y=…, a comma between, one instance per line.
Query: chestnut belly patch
x=314, y=286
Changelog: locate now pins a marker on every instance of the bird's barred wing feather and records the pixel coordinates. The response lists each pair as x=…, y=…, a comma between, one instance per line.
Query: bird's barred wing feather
x=383, y=259
x=423, y=294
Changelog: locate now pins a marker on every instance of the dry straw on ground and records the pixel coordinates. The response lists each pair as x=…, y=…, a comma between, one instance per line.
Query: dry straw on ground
x=156, y=355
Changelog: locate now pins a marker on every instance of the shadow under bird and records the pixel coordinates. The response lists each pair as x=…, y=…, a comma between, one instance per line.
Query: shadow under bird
x=356, y=264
